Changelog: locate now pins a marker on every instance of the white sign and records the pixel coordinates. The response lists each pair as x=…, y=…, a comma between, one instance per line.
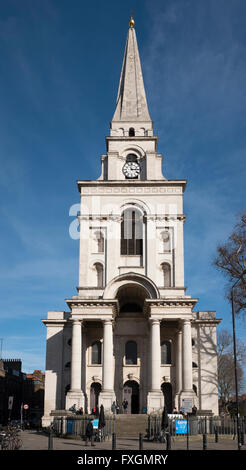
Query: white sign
x=187, y=405
x=26, y=407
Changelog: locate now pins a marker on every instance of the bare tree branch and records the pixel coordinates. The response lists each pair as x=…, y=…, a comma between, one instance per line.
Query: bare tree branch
x=231, y=261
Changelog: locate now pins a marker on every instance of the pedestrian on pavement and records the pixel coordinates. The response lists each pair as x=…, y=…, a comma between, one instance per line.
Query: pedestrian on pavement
x=89, y=433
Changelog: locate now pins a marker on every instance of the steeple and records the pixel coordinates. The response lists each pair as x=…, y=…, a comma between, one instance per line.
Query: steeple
x=131, y=104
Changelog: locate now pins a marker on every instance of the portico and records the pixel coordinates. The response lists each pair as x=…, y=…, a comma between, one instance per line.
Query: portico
x=149, y=322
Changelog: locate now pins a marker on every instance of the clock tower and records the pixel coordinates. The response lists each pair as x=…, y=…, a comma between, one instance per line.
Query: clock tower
x=131, y=146
x=131, y=334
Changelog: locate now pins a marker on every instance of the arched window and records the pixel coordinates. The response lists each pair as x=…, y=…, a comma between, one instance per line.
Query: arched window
x=96, y=352
x=132, y=232
x=131, y=132
x=166, y=270
x=131, y=353
x=99, y=270
x=165, y=241
x=166, y=352
x=131, y=157
x=100, y=241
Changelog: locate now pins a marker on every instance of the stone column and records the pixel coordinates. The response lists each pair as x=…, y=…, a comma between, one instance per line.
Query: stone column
x=75, y=394
x=155, y=355
x=179, y=362
x=107, y=367
x=155, y=398
x=76, y=356
x=107, y=395
x=187, y=390
x=187, y=355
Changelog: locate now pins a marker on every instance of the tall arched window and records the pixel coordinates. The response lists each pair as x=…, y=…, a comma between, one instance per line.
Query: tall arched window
x=166, y=352
x=165, y=241
x=131, y=132
x=96, y=352
x=132, y=232
x=131, y=352
x=166, y=270
x=99, y=271
x=100, y=241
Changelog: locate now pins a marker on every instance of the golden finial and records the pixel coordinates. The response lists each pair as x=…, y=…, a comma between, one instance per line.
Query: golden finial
x=131, y=22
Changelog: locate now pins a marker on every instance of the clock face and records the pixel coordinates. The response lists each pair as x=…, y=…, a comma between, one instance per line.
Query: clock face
x=131, y=170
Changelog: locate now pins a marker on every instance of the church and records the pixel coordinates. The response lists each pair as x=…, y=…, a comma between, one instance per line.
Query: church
x=131, y=333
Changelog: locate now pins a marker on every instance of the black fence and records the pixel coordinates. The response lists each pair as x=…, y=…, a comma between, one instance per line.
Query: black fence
x=76, y=426
x=196, y=425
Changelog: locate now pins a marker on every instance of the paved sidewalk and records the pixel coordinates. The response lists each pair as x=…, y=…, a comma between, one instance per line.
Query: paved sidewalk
x=33, y=440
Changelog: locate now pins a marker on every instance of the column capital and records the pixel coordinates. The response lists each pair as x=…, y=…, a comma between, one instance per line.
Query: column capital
x=154, y=321
x=77, y=321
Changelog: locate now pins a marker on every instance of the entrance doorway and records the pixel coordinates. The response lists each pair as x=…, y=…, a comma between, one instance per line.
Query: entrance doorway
x=168, y=400
x=94, y=395
x=131, y=395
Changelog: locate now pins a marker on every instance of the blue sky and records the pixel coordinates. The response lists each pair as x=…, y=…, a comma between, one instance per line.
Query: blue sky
x=59, y=73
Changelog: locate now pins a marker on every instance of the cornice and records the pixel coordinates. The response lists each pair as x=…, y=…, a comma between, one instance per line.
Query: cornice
x=91, y=303
x=171, y=302
x=118, y=187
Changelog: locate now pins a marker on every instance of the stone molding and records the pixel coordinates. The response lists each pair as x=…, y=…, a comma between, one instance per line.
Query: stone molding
x=91, y=191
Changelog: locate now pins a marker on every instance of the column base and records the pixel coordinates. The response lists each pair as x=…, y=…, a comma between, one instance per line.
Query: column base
x=106, y=398
x=155, y=401
x=46, y=421
x=75, y=397
x=187, y=394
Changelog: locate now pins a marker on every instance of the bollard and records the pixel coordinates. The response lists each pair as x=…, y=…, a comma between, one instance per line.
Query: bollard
x=113, y=441
x=140, y=441
x=216, y=435
x=50, y=441
x=204, y=441
x=168, y=441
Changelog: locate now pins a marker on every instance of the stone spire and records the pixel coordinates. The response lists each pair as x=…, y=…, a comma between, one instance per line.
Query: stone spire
x=131, y=105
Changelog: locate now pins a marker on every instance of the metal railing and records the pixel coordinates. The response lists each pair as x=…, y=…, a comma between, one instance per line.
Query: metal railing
x=197, y=425
x=76, y=426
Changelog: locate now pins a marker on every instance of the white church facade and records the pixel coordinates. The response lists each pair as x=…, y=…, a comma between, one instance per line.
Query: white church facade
x=131, y=331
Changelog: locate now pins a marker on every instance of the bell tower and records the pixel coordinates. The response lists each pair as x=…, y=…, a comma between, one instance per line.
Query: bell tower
x=131, y=146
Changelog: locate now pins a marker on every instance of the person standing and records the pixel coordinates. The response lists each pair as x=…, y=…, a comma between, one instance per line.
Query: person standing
x=125, y=406
x=89, y=433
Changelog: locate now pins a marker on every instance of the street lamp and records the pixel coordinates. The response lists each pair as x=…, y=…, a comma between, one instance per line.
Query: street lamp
x=235, y=355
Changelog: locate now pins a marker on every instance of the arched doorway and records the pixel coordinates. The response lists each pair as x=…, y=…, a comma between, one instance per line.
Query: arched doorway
x=168, y=399
x=131, y=394
x=94, y=394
